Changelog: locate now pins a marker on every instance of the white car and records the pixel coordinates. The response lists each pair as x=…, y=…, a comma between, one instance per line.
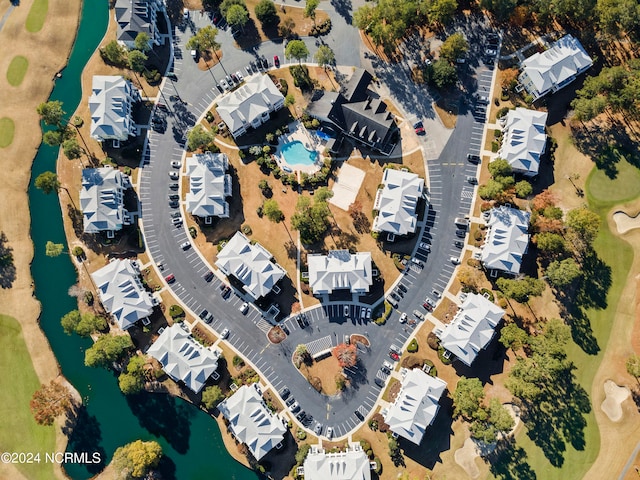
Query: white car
x=425, y=246
x=176, y=163
x=240, y=77
x=403, y=317
x=174, y=175
x=224, y=84
x=368, y=313
x=363, y=313
x=455, y=260
x=491, y=52
x=329, y=432
x=224, y=334
x=244, y=308
x=185, y=245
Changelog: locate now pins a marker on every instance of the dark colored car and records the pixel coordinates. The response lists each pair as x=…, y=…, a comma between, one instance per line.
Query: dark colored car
x=208, y=276
x=402, y=287
x=276, y=61
x=379, y=381
x=203, y=314
x=284, y=393
x=290, y=401
x=419, y=128
x=359, y=415
x=426, y=306
x=461, y=233
x=473, y=158
x=172, y=76
x=301, y=415
x=458, y=244
x=220, y=89
x=300, y=321
x=174, y=204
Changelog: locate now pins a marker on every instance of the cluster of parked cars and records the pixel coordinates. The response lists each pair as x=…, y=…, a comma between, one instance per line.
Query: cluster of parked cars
x=493, y=40
x=260, y=64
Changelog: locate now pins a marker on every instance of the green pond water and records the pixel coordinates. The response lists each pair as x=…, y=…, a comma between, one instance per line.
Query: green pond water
x=190, y=439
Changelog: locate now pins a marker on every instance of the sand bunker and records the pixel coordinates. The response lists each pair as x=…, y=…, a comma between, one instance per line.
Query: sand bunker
x=345, y=189
x=615, y=395
x=466, y=458
x=625, y=222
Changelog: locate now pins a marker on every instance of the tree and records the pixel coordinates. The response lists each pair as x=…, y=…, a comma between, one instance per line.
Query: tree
x=271, y=210
x=205, y=39
x=467, y=398
x=71, y=149
x=237, y=16
x=70, y=321
x=311, y=219
x=49, y=402
x=135, y=459
x=212, y=396
x=441, y=11
x=286, y=27
x=550, y=243
x=47, y=182
x=469, y=277
x=523, y=189
x=136, y=61
x=617, y=17
x=289, y=100
x=502, y=9
x=296, y=49
x=142, y=42
x=130, y=384
x=562, y=273
x=266, y=12
x=493, y=190
x=584, y=224
x=633, y=366
x=53, y=138
x=227, y=4
x=199, y=138
x=53, y=249
x=51, y=112
x=347, y=355
x=301, y=454
x=443, y=74
x=454, y=47
x=324, y=56
x=513, y=337
x=114, y=53
x=499, y=416
x=500, y=168
x=521, y=289
x=90, y=323
x=310, y=9
x=107, y=349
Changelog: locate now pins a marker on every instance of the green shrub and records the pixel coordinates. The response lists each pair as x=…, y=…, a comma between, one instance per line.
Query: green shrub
x=301, y=434
x=446, y=361
x=284, y=89
x=495, y=146
x=413, y=346
x=176, y=311
x=489, y=293
x=246, y=229
x=193, y=232
x=382, y=319
x=88, y=297
x=209, y=116
x=378, y=468
x=237, y=361
x=301, y=78
x=78, y=251
x=502, y=112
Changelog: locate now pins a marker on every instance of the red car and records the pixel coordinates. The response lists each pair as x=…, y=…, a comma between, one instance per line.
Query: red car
x=426, y=306
x=170, y=278
x=276, y=61
x=419, y=128
x=394, y=356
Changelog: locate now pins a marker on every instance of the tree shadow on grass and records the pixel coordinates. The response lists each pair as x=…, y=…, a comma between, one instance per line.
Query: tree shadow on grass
x=596, y=282
x=509, y=462
x=559, y=419
x=7, y=267
x=164, y=416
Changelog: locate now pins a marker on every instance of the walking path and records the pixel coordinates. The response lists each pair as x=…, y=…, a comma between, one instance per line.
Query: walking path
x=6, y=16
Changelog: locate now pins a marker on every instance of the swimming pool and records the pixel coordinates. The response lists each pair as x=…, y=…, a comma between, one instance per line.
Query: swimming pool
x=295, y=153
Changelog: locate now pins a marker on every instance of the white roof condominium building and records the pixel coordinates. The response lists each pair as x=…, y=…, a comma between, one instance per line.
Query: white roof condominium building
x=339, y=270
x=251, y=422
x=183, y=358
x=250, y=105
x=251, y=264
x=209, y=186
x=121, y=292
x=110, y=104
x=396, y=202
x=471, y=329
x=524, y=140
x=102, y=200
x=351, y=464
x=507, y=239
x=137, y=16
x=416, y=405
x=549, y=71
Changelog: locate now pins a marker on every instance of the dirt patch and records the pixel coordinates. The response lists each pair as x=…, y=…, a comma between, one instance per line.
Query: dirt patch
x=392, y=390
x=323, y=373
x=447, y=112
x=276, y=335
x=466, y=458
x=355, y=338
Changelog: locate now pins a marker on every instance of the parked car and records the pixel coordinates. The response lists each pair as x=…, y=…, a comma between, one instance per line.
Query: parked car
x=363, y=313
x=203, y=314
x=461, y=233
x=425, y=246
x=174, y=186
x=174, y=203
x=345, y=310
x=418, y=315
x=172, y=76
x=461, y=222
x=244, y=308
x=436, y=293
x=290, y=401
x=295, y=407
x=403, y=317
x=392, y=301
x=358, y=414
x=472, y=180
x=455, y=260
x=395, y=357
x=417, y=262
x=224, y=334
x=329, y=433
x=194, y=55
x=239, y=76
x=276, y=61
x=177, y=221
x=185, y=245
x=473, y=158
x=219, y=87
x=176, y=163
x=459, y=244
x=426, y=306
x=387, y=365
x=284, y=393
x=403, y=287
x=174, y=196
x=208, y=276
x=318, y=428
x=301, y=415
x=225, y=84
x=368, y=313
x=234, y=78
x=419, y=128
x=170, y=278
x=384, y=369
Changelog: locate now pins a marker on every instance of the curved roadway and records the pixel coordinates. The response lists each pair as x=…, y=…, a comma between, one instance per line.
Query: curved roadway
x=450, y=196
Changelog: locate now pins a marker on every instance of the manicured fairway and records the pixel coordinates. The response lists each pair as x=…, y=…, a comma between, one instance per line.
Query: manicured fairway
x=625, y=186
x=17, y=70
x=7, y=129
x=37, y=15
x=18, y=381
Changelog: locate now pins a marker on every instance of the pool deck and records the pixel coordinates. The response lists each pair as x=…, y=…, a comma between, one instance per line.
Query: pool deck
x=297, y=132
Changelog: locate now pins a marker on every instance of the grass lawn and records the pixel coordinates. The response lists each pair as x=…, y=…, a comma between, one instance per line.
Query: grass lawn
x=37, y=15
x=17, y=70
x=20, y=432
x=618, y=255
x=7, y=129
x=625, y=186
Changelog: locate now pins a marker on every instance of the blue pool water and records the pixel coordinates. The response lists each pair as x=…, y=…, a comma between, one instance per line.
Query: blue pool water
x=296, y=154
